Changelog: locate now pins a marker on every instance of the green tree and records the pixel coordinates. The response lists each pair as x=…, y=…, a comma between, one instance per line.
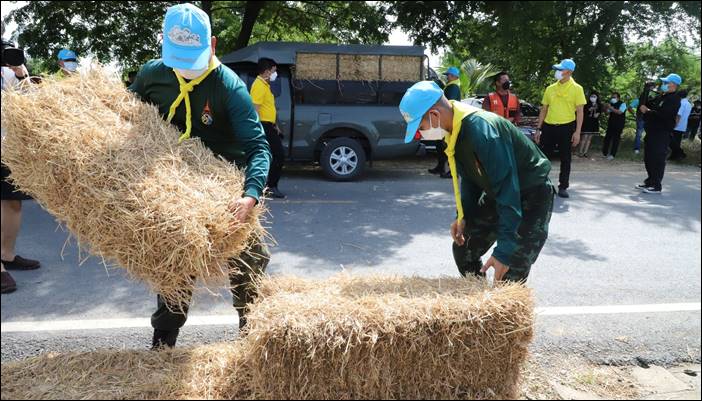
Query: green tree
x=127, y=31
x=475, y=77
x=527, y=37
x=645, y=61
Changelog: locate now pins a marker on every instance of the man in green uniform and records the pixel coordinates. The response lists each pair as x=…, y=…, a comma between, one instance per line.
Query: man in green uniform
x=504, y=194
x=208, y=100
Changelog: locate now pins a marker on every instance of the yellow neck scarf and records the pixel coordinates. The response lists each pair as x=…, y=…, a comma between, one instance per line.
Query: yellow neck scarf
x=460, y=111
x=185, y=89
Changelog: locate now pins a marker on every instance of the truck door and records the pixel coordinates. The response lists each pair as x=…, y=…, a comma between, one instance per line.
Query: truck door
x=283, y=103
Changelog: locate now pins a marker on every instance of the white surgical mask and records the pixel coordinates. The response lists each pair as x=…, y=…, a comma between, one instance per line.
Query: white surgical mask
x=273, y=76
x=433, y=133
x=558, y=74
x=70, y=66
x=190, y=74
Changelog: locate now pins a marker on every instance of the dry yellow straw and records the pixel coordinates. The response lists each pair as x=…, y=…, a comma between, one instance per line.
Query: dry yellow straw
x=109, y=168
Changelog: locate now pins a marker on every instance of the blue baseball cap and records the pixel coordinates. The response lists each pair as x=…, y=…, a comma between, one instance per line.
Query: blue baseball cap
x=65, y=54
x=416, y=102
x=453, y=71
x=674, y=78
x=566, y=64
x=186, y=38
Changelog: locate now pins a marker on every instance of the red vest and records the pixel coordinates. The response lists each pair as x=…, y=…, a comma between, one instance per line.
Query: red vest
x=498, y=108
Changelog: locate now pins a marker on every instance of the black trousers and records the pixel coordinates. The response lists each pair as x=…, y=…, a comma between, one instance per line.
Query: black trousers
x=251, y=265
x=676, y=145
x=441, y=158
x=656, y=146
x=278, y=152
x=560, y=136
x=612, y=139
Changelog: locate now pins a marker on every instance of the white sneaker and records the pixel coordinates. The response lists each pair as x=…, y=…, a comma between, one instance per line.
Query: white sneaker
x=651, y=190
x=636, y=152
x=610, y=157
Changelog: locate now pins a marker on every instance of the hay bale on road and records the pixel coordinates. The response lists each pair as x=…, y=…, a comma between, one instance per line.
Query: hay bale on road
x=342, y=338
x=205, y=372
x=109, y=168
x=388, y=338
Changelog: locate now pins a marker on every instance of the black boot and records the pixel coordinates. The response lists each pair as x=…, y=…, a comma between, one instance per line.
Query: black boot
x=164, y=338
x=436, y=170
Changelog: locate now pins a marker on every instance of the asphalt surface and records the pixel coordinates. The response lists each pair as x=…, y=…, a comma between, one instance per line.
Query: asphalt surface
x=608, y=245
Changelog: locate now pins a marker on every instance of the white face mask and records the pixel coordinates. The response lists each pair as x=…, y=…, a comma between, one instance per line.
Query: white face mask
x=433, y=133
x=190, y=74
x=70, y=66
x=559, y=74
x=273, y=76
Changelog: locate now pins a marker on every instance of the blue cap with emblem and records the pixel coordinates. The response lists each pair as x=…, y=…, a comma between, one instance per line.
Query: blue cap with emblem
x=416, y=102
x=453, y=71
x=565, y=64
x=186, y=38
x=674, y=78
x=65, y=55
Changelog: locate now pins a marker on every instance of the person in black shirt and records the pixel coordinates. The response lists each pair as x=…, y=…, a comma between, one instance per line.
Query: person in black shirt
x=615, y=126
x=659, y=115
x=591, y=123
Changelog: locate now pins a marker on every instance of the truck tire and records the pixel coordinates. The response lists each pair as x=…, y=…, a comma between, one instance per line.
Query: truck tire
x=343, y=159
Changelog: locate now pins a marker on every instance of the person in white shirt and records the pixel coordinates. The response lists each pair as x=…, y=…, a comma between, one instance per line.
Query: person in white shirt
x=680, y=127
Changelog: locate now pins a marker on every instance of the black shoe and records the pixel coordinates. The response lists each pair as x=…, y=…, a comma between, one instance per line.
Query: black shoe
x=275, y=193
x=8, y=283
x=652, y=190
x=641, y=186
x=446, y=175
x=436, y=170
x=20, y=263
x=164, y=339
x=563, y=193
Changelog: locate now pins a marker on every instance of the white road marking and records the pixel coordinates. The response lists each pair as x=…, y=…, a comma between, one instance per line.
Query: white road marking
x=231, y=320
x=617, y=309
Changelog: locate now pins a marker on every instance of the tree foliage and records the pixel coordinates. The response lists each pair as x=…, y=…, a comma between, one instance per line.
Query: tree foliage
x=127, y=31
x=614, y=43
x=527, y=37
x=476, y=78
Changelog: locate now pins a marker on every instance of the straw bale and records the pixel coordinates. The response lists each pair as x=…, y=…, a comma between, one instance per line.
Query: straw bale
x=315, y=66
x=402, y=68
x=342, y=338
x=110, y=169
x=204, y=372
x=358, y=67
x=387, y=338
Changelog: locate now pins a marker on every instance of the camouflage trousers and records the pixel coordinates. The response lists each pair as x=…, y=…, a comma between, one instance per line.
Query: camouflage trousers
x=251, y=264
x=481, y=233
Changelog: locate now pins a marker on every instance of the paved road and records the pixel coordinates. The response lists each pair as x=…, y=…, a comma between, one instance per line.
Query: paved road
x=609, y=245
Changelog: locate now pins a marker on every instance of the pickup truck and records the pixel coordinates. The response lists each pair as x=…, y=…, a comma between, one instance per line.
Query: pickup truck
x=337, y=105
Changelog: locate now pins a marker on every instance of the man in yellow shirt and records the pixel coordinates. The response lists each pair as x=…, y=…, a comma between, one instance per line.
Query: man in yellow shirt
x=561, y=119
x=264, y=102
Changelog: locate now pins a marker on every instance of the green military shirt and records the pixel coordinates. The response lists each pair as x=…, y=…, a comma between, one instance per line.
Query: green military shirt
x=452, y=91
x=495, y=159
x=223, y=117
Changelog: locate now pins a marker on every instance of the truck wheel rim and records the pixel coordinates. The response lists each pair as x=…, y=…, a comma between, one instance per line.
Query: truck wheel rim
x=343, y=160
